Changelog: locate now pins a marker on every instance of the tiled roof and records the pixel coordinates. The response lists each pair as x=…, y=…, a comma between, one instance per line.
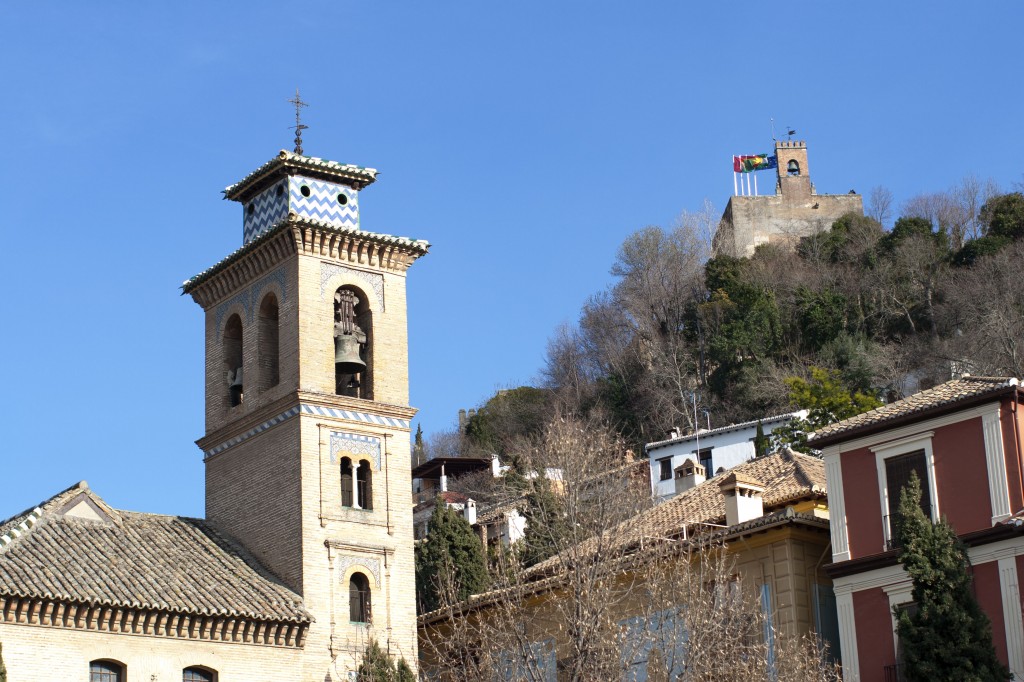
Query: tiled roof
x=947, y=394
x=786, y=476
x=330, y=170
x=136, y=560
x=417, y=246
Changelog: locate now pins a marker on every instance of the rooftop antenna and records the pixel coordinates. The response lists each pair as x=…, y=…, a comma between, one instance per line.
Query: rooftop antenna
x=298, y=127
x=773, y=129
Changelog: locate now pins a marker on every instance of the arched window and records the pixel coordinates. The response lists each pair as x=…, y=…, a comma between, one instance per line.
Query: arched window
x=353, y=344
x=346, y=482
x=269, y=363
x=106, y=671
x=793, y=167
x=359, y=599
x=232, y=345
x=198, y=674
x=364, y=485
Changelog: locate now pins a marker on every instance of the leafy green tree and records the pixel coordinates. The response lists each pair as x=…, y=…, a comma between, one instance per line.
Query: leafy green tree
x=976, y=249
x=822, y=316
x=452, y=553
x=946, y=636
x=546, y=525
x=827, y=400
x=378, y=666
x=1004, y=215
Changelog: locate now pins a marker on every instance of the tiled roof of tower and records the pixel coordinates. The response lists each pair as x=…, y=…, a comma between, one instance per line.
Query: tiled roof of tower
x=416, y=246
x=949, y=394
x=786, y=476
x=357, y=176
x=136, y=560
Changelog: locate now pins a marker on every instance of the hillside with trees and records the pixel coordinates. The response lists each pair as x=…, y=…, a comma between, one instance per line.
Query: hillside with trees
x=871, y=314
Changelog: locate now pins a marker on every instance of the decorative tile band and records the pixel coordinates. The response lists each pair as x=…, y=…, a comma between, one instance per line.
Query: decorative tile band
x=17, y=531
x=323, y=412
x=250, y=297
x=284, y=416
x=376, y=281
x=324, y=201
x=346, y=561
x=354, y=444
x=355, y=416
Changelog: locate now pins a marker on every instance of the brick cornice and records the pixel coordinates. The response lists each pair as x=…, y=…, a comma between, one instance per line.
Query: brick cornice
x=240, y=269
x=71, y=615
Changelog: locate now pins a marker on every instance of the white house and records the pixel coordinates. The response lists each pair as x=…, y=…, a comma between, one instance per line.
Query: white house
x=714, y=450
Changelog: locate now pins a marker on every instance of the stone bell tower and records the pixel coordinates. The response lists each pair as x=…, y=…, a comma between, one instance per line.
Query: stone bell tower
x=307, y=416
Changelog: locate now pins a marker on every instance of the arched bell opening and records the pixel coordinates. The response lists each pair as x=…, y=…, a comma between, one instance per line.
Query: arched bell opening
x=793, y=167
x=269, y=346
x=232, y=347
x=353, y=344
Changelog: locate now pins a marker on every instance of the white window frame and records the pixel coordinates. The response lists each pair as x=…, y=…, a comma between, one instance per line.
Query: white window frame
x=905, y=446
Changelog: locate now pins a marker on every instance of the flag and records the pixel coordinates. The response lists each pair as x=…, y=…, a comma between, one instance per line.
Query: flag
x=753, y=162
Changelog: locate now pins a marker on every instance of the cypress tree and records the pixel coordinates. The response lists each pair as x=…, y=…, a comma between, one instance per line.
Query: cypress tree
x=3, y=668
x=761, y=441
x=450, y=544
x=546, y=527
x=947, y=636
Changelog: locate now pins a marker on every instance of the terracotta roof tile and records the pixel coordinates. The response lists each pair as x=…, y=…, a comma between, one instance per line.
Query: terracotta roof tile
x=138, y=560
x=787, y=477
x=949, y=393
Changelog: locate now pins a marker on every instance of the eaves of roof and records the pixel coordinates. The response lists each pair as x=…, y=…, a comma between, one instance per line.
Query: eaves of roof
x=357, y=176
x=721, y=429
x=830, y=437
x=418, y=247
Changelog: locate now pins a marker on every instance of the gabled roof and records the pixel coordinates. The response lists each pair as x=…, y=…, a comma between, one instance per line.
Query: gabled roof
x=950, y=396
x=285, y=161
x=786, y=476
x=74, y=547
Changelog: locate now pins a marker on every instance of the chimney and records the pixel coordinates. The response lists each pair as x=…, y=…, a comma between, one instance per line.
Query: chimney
x=469, y=511
x=444, y=480
x=495, y=466
x=673, y=433
x=688, y=474
x=742, y=498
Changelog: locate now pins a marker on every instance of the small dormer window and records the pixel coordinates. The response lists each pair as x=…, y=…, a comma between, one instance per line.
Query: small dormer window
x=793, y=167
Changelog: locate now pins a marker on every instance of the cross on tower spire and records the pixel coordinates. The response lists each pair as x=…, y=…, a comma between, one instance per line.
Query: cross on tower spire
x=298, y=127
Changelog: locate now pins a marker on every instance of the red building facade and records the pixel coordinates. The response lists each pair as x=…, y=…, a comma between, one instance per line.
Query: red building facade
x=963, y=439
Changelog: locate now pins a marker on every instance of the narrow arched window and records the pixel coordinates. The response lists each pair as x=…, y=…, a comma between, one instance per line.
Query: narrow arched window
x=346, y=482
x=106, y=671
x=353, y=344
x=232, y=345
x=793, y=167
x=359, y=599
x=364, y=485
x=268, y=343
x=198, y=674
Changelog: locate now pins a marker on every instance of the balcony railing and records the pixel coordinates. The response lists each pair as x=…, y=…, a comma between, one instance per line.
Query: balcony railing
x=894, y=673
x=892, y=524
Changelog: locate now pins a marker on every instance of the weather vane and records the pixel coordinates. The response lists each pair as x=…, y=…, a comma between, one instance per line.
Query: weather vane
x=298, y=120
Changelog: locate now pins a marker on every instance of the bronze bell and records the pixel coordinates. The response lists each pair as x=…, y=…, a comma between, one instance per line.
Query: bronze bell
x=346, y=354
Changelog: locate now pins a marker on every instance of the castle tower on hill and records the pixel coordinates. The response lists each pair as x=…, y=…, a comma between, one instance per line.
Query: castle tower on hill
x=795, y=210
x=307, y=416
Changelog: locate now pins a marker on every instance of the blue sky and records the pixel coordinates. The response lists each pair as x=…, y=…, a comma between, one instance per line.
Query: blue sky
x=524, y=140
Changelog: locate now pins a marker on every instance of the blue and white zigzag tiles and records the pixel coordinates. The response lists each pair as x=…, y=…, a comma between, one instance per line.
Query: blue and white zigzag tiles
x=323, y=202
x=327, y=202
x=320, y=411
x=266, y=210
x=354, y=444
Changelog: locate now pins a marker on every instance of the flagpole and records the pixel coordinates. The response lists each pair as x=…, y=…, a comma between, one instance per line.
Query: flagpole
x=735, y=190
x=755, y=185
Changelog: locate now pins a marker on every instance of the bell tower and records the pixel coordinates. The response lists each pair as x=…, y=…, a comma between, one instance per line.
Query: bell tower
x=307, y=417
